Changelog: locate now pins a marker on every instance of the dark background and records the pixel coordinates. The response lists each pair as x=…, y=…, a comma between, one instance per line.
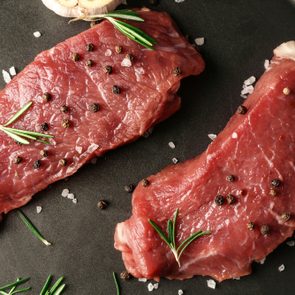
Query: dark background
x=240, y=35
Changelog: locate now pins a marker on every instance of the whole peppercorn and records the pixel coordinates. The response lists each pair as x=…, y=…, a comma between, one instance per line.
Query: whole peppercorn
x=276, y=182
x=231, y=199
x=219, y=200
x=46, y=97
x=129, y=188
x=63, y=162
x=145, y=182
x=44, y=153
x=285, y=216
x=265, y=230
x=108, y=69
x=118, y=49
x=273, y=192
x=250, y=225
x=242, y=110
x=64, y=109
x=93, y=107
x=90, y=47
x=116, y=89
x=18, y=160
x=177, y=71
x=75, y=56
x=89, y=63
x=102, y=204
x=125, y=275
x=44, y=126
x=37, y=164
x=286, y=91
x=66, y=123
x=230, y=178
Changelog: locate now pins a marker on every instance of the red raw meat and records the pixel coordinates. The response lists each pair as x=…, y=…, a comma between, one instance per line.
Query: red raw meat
x=256, y=148
x=148, y=95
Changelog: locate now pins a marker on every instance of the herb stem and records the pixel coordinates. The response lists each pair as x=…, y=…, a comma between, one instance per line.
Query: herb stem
x=46, y=285
x=116, y=283
x=19, y=281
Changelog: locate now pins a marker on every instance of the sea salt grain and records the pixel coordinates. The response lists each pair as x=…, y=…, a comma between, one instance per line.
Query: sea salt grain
x=262, y=261
x=281, y=268
x=291, y=243
x=249, y=81
x=175, y=160
x=6, y=76
x=71, y=196
x=75, y=201
x=143, y=280
x=37, y=34
x=171, y=145
x=179, y=1
x=180, y=292
x=266, y=64
x=156, y=286
x=212, y=136
x=150, y=287
x=200, y=41
x=38, y=209
x=211, y=284
x=12, y=71
x=126, y=62
x=65, y=192
x=234, y=135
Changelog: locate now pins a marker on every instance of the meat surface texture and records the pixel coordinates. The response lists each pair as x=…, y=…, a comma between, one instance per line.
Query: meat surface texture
x=258, y=150
x=147, y=95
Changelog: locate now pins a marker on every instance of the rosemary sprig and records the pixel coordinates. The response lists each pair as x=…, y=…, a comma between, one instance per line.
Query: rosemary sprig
x=32, y=228
x=56, y=289
x=116, y=283
x=21, y=135
x=170, y=239
x=128, y=30
x=13, y=286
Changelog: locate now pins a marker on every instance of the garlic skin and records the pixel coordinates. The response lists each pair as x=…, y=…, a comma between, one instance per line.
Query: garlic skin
x=286, y=50
x=76, y=8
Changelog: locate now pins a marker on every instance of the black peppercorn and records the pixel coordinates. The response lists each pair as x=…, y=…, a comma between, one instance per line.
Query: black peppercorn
x=177, y=71
x=46, y=96
x=102, y=204
x=63, y=162
x=93, y=107
x=108, y=69
x=118, y=49
x=219, y=200
x=129, y=188
x=89, y=63
x=125, y=275
x=265, y=230
x=116, y=89
x=37, y=164
x=90, y=47
x=145, y=182
x=18, y=160
x=230, y=178
x=44, y=126
x=285, y=216
x=66, y=123
x=250, y=225
x=273, y=192
x=64, y=109
x=276, y=182
x=75, y=56
x=44, y=153
x=242, y=110
x=231, y=199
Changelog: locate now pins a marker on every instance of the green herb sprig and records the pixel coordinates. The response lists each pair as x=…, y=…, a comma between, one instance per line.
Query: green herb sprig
x=170, y=239
x=128, y=30
x=13, y=287
x=21, y=135
x=32, y=228
x=56, y=289
x=116, y=284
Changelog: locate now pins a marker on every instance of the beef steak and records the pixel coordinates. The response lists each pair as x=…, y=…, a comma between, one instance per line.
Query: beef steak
x=90, y=109
x=257, y=150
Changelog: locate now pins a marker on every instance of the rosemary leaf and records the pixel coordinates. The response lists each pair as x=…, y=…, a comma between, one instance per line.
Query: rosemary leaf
x=33, y=133
x=170, y=231
x=125, y=14
x=21, y=290
x=59, y=290
x=19, y=281
x=160, y=232
x=19, y=113
x=19, y=133
x=46, y=285
x=174, y=228
x=55, y=287
x=116, y=283
x=32, y=228
x=15, y=137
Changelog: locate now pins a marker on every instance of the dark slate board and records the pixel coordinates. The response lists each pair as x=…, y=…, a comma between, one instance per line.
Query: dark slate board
x=239, y=36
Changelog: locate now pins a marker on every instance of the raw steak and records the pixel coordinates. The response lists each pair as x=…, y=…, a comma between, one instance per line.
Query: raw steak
x=258, y=150
x=147, y=96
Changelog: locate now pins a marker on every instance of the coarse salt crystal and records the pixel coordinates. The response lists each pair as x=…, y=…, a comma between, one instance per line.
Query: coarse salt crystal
x=281, y=268
x=180, y=292
x=247, y=90
x=6, y=76
x=126, y=62
x=108, y=52
x=156, y=286
x=71, y=196
x=266, y=64
x=12, y=71
x=262, y=260
x=237, y=279
x=38, y=209
x=79, y=149
x=211, y=284
x=200, y=41
x=179, y=1
x=37, y=34
x=150, y=287
x=291, y=243
x=65, y=192
x=171, y=145
x=249, y=81
x=212, y=136
x=234, y=135
x=175, y=160
x=143, y=280
x=75, y=201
